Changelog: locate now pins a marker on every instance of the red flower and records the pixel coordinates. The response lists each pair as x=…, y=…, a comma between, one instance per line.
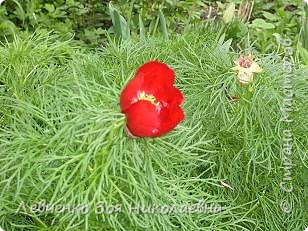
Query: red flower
x=150, y=101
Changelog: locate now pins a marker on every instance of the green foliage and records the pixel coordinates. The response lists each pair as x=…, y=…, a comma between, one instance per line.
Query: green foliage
x=177, y=14
x=84, y=19
x=122, y=31
x=90, y=21
x=62, y=137
x=229, y=13
x=283, y=23
x=120, y=26
x=303, y=54
x=269, y=22
x=163, y=24
x=141, y=28
x=305, y=28
x=303, y=47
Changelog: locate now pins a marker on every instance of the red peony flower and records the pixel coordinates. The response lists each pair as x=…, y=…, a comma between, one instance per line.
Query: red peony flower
x=150, y=101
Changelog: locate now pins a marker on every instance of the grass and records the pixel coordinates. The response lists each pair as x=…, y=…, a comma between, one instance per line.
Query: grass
x=62, y=138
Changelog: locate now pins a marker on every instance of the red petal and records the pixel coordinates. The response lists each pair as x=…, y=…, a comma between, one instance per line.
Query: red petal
x=170, y=117
x=130, y=93
x=156, y=73
x=170, y=95
x=151, y=77
x=143, y=119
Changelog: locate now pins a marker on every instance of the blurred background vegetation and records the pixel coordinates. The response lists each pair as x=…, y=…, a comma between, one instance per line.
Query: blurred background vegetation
x=248, y=23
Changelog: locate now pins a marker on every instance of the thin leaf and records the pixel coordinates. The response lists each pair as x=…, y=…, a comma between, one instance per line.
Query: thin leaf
x=229, y=13
x=141, y=28
x=117, y=24
x=163, y=25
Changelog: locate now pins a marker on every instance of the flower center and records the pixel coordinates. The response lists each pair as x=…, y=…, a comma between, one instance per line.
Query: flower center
x=245, y=62
x=150, y=98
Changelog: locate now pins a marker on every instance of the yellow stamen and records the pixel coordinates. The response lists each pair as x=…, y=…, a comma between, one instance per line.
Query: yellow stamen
x=150, y=98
